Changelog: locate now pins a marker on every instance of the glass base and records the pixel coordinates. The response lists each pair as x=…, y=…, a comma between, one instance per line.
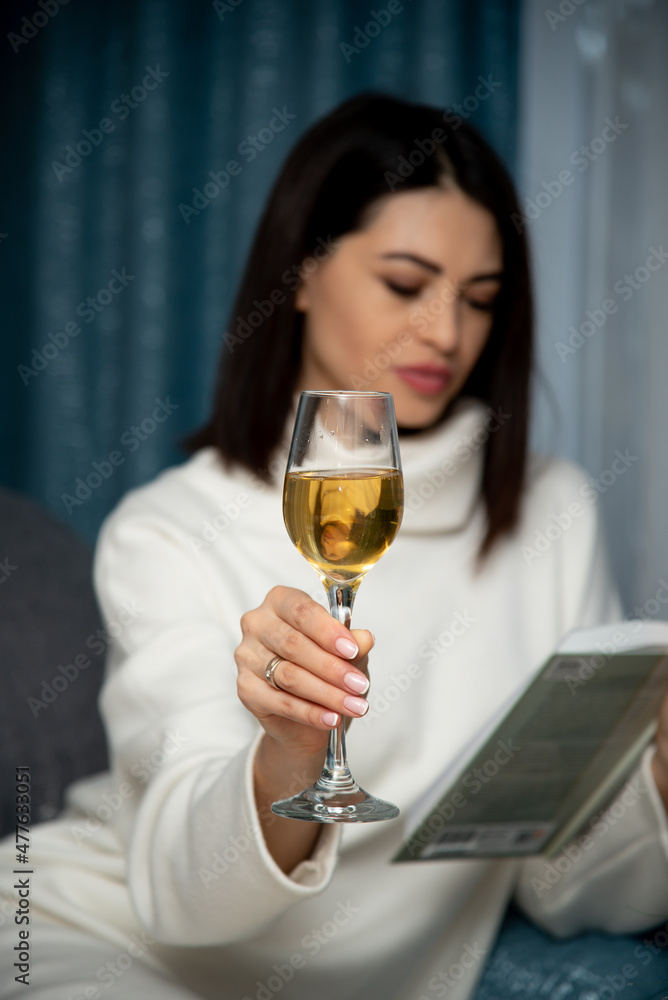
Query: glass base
x=322, y=805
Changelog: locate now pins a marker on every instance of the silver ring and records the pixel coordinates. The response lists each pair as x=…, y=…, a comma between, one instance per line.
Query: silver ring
x=269, y=671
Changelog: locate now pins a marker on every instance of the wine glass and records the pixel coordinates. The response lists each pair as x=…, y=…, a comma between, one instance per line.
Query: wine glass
x=342, y=506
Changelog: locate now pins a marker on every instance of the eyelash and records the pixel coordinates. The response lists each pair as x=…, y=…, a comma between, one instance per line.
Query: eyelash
x=481, y=306
x=406, y=292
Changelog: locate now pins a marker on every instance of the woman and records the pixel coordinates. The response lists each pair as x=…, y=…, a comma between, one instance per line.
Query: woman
x=386, y=259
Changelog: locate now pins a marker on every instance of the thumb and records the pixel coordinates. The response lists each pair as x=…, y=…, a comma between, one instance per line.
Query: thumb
x=365, y=641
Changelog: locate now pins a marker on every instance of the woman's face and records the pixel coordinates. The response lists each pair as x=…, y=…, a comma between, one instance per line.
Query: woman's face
x=406, y=304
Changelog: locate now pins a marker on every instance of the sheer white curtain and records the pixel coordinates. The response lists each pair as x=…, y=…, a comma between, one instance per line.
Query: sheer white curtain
x=594, y=185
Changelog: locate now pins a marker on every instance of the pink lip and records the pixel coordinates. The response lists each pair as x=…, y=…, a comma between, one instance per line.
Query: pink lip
x=426, y=379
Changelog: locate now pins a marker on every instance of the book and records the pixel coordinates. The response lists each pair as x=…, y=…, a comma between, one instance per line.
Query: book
x=553, y=755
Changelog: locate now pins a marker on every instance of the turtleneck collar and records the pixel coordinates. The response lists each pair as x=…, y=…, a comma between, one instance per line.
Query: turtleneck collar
x=443, y=470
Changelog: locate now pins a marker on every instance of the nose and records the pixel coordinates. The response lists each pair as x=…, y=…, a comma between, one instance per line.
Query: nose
x=441, y=326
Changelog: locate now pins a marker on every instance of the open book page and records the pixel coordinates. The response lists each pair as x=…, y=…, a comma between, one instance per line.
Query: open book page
x=538, y=772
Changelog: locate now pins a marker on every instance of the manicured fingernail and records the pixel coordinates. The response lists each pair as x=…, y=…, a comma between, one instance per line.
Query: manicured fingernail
x=358, y=706
x=346, y=647
x=373, y=638
x=330, y=719
x=357, y=682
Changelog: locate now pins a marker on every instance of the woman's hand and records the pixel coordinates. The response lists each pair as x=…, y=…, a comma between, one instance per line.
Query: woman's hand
x=660, y=758
x=322, y=677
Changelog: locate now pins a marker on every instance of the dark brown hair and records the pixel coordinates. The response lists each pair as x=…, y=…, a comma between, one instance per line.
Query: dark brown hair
x=366, y=148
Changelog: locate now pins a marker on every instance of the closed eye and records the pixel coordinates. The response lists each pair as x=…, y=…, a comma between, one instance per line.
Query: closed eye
x=481, y=306
x=404, y=290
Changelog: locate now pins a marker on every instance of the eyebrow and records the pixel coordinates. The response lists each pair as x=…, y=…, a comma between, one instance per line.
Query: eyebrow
x=436, y=269
x=492, y=276
x=399, y=255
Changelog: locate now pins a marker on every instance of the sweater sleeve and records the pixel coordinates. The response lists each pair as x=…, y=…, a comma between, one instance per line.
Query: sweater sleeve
x=614, y=877
x=198, y=869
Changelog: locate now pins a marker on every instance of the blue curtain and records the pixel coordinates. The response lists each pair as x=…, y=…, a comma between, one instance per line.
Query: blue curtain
x=123, y=229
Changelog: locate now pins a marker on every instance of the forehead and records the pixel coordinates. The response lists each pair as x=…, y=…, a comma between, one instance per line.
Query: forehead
x=443, y=225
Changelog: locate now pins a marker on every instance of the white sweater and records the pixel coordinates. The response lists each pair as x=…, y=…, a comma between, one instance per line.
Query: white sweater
x=172, y=844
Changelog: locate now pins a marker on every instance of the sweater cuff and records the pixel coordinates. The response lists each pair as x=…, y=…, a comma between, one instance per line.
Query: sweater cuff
x=313, y=873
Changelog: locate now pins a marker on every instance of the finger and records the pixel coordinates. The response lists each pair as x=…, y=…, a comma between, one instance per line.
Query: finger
x=302, y=682
x=310, y=660
x=306, y=685
x=267, y=702
x=363, y=665
x=312, y=620
x=284, y=639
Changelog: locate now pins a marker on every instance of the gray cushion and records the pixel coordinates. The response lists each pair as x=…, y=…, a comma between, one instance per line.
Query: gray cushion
x=49, y=620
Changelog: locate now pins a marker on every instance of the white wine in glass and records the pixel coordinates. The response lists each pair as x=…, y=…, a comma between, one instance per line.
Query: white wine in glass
x=342, y=506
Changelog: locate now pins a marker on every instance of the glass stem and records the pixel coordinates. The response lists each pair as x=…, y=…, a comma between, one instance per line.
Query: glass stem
x=335, y=773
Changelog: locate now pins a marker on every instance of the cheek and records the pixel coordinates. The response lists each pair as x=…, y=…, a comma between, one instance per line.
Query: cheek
x=343, y=327
x=334, y=340
x=478, y=333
